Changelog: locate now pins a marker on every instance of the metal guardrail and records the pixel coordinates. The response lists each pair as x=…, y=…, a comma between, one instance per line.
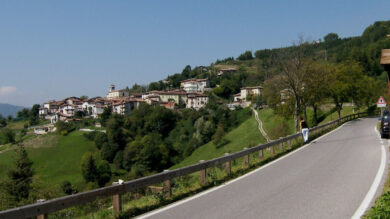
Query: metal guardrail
x=43, y=208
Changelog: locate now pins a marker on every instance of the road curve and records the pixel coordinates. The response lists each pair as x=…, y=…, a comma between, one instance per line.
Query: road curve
x=329, y=178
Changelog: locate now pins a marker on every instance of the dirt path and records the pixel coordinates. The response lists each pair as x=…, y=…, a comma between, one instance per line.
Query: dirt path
x=261, y=125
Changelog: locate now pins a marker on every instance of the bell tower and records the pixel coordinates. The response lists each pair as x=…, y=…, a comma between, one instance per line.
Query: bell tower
x=112, y=88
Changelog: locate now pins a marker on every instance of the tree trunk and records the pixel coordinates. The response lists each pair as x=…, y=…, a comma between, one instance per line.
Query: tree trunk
x=296, y=116
x=339, y=107
x=315, y=122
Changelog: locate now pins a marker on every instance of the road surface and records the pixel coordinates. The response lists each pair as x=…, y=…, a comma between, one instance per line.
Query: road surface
x=329, y=178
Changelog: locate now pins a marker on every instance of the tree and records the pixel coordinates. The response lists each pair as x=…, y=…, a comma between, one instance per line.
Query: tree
x=104, y=173
x=89, y=168
x=186, y=71
x=317, y=84
x=348, y=83
x=7, y=136
x=20, y=178
x=34, y=114
x=218, y=136
x=330, y=37
x=105, y=115
x=100, y=139
x=293, y=67
x=108, y=151
x=118, y=160
x=247, y=55
x=3, y=121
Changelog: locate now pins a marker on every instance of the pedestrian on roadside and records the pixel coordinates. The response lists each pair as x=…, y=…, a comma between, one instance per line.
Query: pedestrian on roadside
x=304, y=129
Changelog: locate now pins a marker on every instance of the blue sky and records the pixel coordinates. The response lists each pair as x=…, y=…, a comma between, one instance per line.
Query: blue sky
x=55, y=49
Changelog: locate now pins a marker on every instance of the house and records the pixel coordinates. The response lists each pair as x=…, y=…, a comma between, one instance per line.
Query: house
x=122, y=107
x=68, y=110
x=196, y=101
x=176, y=96
x=97, y=110
x=116, y=93
x=52, y=106
x=227, y=70
x=43, y=112
x=195, y=85
x=246, y=91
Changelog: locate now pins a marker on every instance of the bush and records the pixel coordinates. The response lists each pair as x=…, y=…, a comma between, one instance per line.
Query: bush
x=90, y=135
x=100, y=139
x=64, y=128
x=67, y=188
x=104, y=173
x=6, y=136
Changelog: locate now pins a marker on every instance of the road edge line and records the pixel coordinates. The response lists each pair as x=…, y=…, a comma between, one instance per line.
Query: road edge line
x=149, y=214
x=375, y=184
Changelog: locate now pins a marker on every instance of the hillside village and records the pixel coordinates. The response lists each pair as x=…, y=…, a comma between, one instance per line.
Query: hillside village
x=193, y=93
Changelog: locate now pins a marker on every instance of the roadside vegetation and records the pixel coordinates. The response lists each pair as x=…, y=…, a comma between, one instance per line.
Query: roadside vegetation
x=381, y=208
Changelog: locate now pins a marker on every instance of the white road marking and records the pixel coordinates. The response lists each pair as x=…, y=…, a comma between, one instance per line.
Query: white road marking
x=146, y=215
x=371, y=193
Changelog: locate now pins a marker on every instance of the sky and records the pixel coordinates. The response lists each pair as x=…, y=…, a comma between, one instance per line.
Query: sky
x=55, y=49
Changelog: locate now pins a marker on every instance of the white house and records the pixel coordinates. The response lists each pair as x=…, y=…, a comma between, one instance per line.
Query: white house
x=116, y=93
x=43, y=112
x=97, y=110
x=246, y=91
x=195, y=85
x=68, y=110
x=122, y=107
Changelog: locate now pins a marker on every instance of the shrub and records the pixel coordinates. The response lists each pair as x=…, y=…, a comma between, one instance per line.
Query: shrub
x=6, y=136
x=100, y=139
x=90, y=135
x=67, y=188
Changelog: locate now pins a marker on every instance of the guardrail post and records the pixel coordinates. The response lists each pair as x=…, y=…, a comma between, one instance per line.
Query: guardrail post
x=281, y=145
x=167, y=187
x=271, y=150
x=42, y=216
x=246, y=159
x=289, y=143
x=202, y=175
x=117, y=200
x=261, y=154
x=228, y=166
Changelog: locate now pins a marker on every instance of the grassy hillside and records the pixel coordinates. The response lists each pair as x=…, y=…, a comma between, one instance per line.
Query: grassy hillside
x=56, y=158
x=246, y=135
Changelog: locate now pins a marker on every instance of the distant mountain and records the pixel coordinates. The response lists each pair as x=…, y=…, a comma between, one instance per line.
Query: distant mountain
x=8, y=109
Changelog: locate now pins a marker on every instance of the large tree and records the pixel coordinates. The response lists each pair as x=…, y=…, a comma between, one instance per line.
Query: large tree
x=20, y=177
x=293, y=65
x=348, y=83
x=316, y=85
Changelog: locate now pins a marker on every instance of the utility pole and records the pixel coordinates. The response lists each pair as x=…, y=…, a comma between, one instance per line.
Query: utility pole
x=385, y=61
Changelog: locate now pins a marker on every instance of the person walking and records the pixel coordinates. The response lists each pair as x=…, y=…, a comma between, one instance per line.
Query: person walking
x=304, y=129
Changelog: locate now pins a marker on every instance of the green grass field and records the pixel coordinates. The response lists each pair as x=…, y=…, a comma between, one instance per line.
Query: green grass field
x=56, y=158
x=17, y=126
x=245, y=135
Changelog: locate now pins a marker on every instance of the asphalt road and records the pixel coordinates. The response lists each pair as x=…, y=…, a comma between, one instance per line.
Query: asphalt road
x=329, y=178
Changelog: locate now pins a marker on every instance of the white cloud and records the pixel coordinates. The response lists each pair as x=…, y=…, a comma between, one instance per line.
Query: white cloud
x=7, y=90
